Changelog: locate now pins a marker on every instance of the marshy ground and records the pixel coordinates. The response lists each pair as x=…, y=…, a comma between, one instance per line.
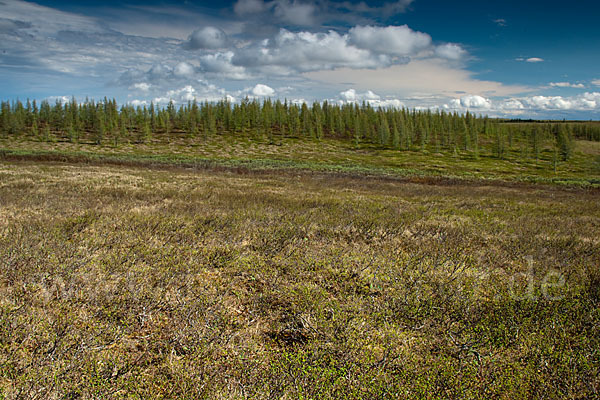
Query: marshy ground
x=128, y=282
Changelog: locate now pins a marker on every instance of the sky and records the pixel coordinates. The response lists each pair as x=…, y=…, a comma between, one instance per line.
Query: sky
x=521, y=59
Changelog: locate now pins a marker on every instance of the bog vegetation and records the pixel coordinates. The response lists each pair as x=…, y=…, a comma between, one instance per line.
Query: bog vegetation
x=126, y=274
x=128, y=283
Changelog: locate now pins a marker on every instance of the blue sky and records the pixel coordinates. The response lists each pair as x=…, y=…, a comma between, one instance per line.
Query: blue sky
x=524, y=59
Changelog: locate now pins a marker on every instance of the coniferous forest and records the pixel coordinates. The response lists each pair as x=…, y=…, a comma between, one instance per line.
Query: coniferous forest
x=399, y=129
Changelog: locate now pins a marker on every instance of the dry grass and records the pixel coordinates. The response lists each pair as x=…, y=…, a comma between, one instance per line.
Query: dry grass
x=120, y=282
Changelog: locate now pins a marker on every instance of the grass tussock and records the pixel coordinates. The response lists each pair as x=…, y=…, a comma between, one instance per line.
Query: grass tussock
x=118, y=282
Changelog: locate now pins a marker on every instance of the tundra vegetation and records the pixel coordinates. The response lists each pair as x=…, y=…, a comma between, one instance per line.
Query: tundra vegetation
x=145, y=259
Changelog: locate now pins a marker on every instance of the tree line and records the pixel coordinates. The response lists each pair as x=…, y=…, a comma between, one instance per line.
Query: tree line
x=272, y=120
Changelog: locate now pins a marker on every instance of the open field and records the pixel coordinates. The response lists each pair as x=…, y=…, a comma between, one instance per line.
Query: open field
x=125, y=282
x=583, y=169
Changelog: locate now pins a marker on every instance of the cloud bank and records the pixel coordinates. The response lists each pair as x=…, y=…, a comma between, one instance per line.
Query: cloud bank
x=290, y=53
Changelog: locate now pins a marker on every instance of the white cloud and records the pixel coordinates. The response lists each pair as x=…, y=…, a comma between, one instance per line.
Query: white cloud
x=208, y=37
x=474, y=101
x=567, y=85
x=292, y=52
x=386, y=103
x=584, y=102
x=220, y=65
x=352, y=96
x=183, y=69
x=500, y=22
x=138, y=103
x=287, y=53
x=60, y=99
x=534, y=60
x=200, y=91
x=349, y=95
x=429, y=78
x=393, y=40
x=596, y=82
x=143, y=86
x=450, y=51
x=262, y=90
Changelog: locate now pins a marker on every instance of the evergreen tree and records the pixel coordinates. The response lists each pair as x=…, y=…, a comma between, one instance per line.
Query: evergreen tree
x=499, y=145
x=34, y=127
x=395, y=134
x=536, y=139
x=5, y=117
x=46, y=134
x=357, y=135
x=145, y=134
x=100, y=130
x=564, y=142
x=71, y=134
x=319, y=126
x=384, y=131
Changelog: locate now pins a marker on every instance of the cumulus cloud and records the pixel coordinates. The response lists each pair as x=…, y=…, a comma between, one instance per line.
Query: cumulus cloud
x=75, y=46
x=534, y=60
x=306, y=51
x=209, y=37
x=58, y=99
x=450, y=51
x=183, y=69
x=142, y=86
x=471, y=101
x=262, y=90
x=352, y=96
x=138, y=103
x=368, y=47
x=200, y=91
x=584, y=102
x=567, y=85
x=394, y=40
x=220, y=65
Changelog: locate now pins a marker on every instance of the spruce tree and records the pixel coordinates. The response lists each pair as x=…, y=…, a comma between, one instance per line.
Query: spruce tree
x=384, y=131
x=145, y=134
x=99, y=129
x=34, y=127
x=319, y=126
x=564, y=142
x=356, y=131
x=46, y=134
x=499, y=145
x=395, y=134
x=536, y=138
x=71, y=134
